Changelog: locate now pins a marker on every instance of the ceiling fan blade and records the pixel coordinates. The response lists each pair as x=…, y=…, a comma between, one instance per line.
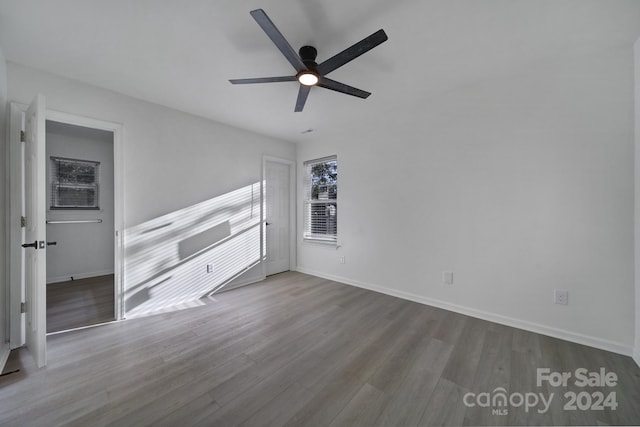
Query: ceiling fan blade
x=352, y=52
x=278, y=39
x=342, y=88
x=263, y=80
x=303, y=93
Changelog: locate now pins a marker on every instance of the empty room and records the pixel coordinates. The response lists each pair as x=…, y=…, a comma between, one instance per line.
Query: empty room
x=305, y=212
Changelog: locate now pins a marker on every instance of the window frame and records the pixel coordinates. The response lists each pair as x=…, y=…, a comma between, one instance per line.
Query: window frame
x=56, y=184
x=309, y=201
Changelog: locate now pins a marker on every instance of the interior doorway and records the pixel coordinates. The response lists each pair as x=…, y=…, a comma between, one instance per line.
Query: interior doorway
x=27, y=254
x=279, y=215
x=80, y=223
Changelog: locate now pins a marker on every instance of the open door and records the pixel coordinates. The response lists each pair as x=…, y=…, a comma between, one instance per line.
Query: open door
x=35, y=231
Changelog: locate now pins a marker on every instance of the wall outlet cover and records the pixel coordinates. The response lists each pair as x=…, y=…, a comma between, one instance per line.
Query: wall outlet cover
x=561, y=296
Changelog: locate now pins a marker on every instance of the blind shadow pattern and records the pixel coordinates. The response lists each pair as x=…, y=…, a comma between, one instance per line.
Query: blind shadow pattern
x=166, y=258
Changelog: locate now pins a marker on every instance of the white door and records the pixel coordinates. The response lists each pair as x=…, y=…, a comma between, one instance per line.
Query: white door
x=35, y=233
x=277, y=217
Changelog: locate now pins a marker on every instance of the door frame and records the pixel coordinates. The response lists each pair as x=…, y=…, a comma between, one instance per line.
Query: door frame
x=292, y=210
x=17, y=324
x=16, y=273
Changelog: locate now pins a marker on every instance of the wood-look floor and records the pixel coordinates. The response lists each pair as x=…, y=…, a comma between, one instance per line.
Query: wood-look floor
x=298, y=350
x=80, y=302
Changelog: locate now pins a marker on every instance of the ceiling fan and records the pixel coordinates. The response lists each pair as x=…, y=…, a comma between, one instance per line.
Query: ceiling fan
x=308, y=72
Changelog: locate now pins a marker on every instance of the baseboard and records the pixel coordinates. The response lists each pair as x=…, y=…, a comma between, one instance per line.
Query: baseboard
x=563, y=334
x=636, y=355
x=4, y=355
x=78, y=276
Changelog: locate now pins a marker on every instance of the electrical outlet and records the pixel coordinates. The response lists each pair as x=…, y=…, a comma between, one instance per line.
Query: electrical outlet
x=561, y=296
x=209, y=268
x=447, y=277
x=342, y=260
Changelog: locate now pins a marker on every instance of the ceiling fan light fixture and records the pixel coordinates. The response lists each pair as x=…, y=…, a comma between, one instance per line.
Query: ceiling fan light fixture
x=308, y=78
x=310, y=73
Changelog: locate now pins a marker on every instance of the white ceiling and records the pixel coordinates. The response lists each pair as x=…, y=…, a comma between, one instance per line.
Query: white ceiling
x=181, y=53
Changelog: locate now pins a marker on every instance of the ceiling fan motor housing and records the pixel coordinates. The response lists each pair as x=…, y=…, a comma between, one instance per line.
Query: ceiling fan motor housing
x=308, y=55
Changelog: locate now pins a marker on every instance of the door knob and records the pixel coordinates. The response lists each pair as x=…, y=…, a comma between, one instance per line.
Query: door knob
x=33, y=245
x=268, y=223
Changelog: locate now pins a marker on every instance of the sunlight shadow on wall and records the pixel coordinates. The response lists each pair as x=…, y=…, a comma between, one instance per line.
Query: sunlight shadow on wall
x=167, y=257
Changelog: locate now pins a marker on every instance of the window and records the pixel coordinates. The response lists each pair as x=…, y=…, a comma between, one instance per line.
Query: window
x=321, y=199
x=74, y=184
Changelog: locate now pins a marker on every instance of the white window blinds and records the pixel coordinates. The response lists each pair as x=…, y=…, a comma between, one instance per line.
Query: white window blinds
x=321, y=199
x=74, y=183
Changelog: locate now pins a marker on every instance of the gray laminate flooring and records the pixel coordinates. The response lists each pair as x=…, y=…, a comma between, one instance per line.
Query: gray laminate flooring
x=80, y=302
x=297, y=350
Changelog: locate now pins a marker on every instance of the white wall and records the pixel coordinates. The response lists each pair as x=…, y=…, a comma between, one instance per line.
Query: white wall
x=4, y=285
x=636, y=353
x=518, y=184
x=172, y=160
x=82, y=250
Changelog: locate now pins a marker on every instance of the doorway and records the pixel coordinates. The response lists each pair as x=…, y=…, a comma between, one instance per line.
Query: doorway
x=279, y=215
x=28, y=218
x=80, y=287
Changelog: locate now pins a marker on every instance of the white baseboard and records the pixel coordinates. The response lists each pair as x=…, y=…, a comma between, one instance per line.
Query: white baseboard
x=4, y=355
x=78, y=276
x=563, y=334
x=636, y=355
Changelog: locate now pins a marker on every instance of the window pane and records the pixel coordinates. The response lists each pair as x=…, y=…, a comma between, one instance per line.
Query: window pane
x=323, y=219
x=76, y=197
x=324, y=180
x=76, y=172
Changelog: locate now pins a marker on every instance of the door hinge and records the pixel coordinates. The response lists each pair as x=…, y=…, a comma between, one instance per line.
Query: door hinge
x=22, y=136
x=23, y=222
x=23, y=307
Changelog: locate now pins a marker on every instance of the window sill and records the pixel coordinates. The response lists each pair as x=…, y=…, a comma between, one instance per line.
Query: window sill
x=80, y=208
x=323, y=242
x=79, y=211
